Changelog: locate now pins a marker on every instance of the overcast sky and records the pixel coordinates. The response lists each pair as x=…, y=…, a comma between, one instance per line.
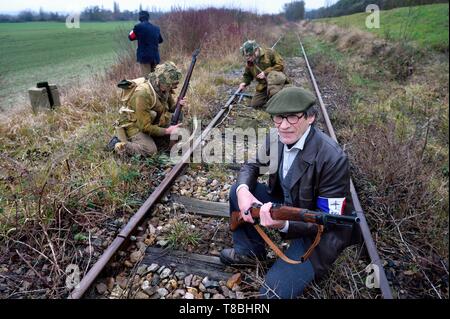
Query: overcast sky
x=260, y=6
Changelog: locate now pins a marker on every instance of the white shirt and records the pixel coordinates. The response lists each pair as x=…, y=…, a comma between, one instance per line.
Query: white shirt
x=290, y=154
x=288, y=158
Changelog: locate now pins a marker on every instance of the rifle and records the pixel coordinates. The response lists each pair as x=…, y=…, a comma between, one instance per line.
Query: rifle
x=176, y=115
x=242, y=95
x=275, y=44
x=280, y=212
x=229, y=104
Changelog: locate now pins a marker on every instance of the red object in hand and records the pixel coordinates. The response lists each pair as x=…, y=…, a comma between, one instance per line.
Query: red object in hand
x=132, y=36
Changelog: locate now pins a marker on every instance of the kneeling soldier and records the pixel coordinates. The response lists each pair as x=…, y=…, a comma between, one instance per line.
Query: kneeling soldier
x=147, y=112
x=313, y=173
x=261, y=63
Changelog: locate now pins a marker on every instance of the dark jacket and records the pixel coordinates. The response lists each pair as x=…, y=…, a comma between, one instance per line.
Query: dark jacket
x=149, y=37
x=320, y=169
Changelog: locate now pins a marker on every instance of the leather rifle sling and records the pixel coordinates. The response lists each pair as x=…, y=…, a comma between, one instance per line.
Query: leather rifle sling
x=280, y=254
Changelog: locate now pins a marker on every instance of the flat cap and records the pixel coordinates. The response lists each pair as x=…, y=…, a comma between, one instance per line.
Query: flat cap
x=290, y=100
x=144, y=16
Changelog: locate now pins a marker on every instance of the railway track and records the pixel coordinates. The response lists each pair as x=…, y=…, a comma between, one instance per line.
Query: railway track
x=201, y=263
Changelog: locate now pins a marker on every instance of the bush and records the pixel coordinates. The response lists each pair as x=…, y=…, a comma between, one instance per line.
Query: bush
x=222, y=31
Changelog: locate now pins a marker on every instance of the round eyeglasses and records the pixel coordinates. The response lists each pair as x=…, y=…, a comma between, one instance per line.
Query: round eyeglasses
x=291, y=118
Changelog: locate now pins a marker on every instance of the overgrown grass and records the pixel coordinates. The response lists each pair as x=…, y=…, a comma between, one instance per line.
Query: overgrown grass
x=288, y=46
x=396, y=134
x=181, y=235
x=395, y=60
x=426, y=25
x=48, y=51
x=219, y=31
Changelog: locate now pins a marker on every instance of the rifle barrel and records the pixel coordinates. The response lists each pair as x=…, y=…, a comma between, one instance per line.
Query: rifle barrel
x=305, y=215
x=176, y=115
x=279, y=212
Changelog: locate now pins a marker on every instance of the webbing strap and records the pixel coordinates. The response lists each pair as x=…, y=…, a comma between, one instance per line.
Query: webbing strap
x=280, y=253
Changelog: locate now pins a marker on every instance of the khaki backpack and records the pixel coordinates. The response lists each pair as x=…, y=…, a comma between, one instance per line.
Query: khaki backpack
x=128, y=87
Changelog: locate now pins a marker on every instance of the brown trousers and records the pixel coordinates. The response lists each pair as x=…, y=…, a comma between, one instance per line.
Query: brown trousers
x=141, y=144
x=259, y=99
x=146, y=69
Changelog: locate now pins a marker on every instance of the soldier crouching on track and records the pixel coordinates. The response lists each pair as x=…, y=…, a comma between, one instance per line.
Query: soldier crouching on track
x=147, y=111
x=313, y=173
x=264, y=65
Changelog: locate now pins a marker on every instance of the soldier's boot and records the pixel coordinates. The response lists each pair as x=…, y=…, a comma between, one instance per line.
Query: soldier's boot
x=112, y=143
x=119, y=148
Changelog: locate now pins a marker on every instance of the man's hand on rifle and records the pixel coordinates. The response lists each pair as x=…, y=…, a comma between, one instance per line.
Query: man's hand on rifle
x=184, y=102
x=266, y=219
x=261, y=76
x=242, y=87
x=245, y=201
x=172, y=129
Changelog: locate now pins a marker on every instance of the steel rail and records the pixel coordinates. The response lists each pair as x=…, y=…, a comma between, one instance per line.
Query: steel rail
x=134, y=221
x=368, y=240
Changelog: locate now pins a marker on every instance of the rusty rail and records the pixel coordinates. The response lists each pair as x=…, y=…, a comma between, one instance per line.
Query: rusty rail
x=370, y=245
x=132, y=224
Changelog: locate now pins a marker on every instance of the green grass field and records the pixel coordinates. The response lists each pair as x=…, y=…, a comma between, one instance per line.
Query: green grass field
x=48, y=51
x=426, y=25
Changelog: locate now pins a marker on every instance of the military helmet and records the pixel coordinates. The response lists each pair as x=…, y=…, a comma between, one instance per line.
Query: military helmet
x=166, y=74
x=249, y=47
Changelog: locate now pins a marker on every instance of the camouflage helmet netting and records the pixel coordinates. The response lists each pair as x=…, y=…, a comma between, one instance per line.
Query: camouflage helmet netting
x=166, y=73
x=249, y=47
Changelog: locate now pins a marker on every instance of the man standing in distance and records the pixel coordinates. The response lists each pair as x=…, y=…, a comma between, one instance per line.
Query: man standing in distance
x=148, y=37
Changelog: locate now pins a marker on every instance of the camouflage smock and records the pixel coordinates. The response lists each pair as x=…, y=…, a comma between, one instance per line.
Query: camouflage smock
x=149, y=112
x=268, y=61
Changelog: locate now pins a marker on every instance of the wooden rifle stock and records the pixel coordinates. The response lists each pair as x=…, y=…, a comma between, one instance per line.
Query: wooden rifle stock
x=280, y=212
